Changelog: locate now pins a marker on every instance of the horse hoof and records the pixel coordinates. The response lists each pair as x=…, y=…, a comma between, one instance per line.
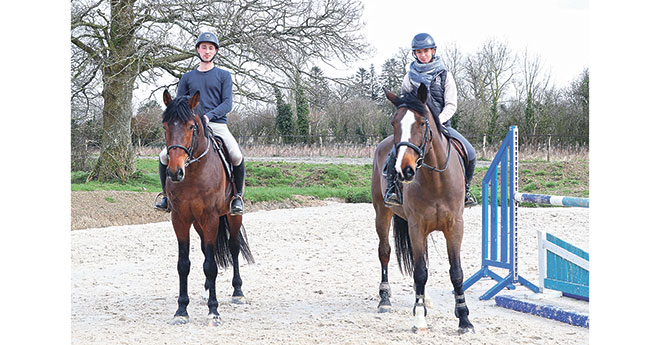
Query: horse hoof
x=419, y=323
x=384, y=308
x=463, y=330
x=238, y=300
x=214, y=321
x=179, y=320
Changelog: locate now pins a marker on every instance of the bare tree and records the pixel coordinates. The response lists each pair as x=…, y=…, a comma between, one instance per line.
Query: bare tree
x=531, y=88
x=121, y=41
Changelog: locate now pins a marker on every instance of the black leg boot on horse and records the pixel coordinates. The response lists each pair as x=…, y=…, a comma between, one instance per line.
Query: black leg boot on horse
x=392, y=195
x=470, y=200
x=162, y=204
x=236, y=207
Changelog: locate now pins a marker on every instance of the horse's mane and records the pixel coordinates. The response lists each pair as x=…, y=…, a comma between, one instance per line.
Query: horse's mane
x=410, y=101
x=179, y=109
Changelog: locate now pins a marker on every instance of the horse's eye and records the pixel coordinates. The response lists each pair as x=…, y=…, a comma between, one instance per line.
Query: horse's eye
x=192, y=127
x=422, y=124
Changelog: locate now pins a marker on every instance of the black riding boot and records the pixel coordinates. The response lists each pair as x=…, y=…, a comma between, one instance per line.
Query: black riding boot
x=393, y=191
x=162, y=204
x=470, y=200
x=236, y=207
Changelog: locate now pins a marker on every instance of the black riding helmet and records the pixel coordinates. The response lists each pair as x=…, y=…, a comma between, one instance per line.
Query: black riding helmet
x=207, y=37
x=422, y=41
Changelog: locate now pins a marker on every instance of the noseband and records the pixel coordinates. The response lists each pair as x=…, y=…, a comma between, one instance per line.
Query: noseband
x=189, y=150
x=421, y=151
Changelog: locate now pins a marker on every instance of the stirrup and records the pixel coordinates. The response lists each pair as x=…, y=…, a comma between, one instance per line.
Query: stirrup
x=392, y=198
x=470, y=199
x=158, y=206
x=236, y=211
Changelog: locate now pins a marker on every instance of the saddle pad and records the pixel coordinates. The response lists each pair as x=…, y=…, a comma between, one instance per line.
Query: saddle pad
x=221, y=149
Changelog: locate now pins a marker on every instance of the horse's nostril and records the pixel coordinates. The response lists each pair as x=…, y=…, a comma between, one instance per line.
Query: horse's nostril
x=179, y=174
x=408, y=173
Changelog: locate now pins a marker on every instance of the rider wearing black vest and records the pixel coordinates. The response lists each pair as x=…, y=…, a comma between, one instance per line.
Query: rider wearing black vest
x=428, y=69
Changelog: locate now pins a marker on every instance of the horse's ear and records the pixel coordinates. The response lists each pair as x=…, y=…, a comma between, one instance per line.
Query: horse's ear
x=194, y=100
x=392, y=97
x=166, y=97
x=422, y=92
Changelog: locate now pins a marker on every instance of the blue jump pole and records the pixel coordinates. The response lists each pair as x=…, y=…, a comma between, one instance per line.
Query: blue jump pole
x=552, y=200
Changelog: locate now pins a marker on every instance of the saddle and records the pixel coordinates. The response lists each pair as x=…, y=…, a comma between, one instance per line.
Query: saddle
x=458, y=145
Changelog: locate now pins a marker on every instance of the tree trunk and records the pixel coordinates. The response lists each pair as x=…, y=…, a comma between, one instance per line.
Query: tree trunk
x=116, y=160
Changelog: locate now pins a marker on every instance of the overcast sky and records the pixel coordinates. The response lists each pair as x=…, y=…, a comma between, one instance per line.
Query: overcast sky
x=556, y=30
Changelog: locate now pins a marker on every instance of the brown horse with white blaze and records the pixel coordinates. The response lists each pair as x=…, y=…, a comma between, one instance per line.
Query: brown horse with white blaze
x=433, y=200
x=199, y=193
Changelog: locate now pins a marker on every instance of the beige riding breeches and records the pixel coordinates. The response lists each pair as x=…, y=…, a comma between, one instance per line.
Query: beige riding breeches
x=220, y=130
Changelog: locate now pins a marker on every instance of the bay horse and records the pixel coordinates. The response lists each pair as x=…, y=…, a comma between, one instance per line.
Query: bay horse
x=199, y=192
x=433, y=197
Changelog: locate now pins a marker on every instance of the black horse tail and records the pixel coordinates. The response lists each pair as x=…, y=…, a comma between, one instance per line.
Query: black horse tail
x=403, y=248
x=404, y=255
x=223, y=255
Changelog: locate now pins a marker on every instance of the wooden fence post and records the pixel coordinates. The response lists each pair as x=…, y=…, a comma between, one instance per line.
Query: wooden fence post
x=483, y=146
x=549, y=139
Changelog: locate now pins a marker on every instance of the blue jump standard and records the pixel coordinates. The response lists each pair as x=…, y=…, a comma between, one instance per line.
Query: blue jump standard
x=543, y=310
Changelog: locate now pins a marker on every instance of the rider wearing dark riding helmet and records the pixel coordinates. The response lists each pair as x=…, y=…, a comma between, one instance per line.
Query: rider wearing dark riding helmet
x=215, y=87
x=428, y=69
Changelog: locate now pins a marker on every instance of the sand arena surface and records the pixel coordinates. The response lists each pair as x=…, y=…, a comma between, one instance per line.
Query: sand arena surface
x=315, y=281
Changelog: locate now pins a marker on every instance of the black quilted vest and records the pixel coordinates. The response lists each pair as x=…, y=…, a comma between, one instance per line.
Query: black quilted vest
x=437, y=100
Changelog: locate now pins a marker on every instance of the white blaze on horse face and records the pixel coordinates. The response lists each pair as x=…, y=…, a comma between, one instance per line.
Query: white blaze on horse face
x=406, y=124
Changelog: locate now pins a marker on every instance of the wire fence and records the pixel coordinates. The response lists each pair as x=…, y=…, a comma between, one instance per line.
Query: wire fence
x=537, y=147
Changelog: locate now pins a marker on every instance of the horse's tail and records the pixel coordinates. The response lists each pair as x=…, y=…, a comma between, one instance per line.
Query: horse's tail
x=404, y=254
x=223, y=255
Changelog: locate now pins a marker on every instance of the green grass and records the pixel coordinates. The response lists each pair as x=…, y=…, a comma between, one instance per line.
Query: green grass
x=265, y=181
x=269, y=181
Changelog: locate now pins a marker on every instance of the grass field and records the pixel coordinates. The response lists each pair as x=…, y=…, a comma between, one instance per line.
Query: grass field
x=266, y=181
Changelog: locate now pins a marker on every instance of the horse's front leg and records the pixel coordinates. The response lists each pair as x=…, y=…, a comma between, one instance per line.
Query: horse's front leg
x=461, y=310
x=183, y=268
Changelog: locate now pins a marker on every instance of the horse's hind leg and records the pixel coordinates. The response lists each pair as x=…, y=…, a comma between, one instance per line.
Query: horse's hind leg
x=420, y=275
x=456, y=274
x=383, y=220
x=235, y=223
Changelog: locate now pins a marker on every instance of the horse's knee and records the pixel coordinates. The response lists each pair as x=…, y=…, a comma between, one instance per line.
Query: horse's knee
x=183, y=266
x=420, y=276
x=210, y=267
x=456, y=274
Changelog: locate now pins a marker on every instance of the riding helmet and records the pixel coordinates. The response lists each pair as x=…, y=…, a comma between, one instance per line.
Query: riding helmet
x=421, y=41
x=207, y=37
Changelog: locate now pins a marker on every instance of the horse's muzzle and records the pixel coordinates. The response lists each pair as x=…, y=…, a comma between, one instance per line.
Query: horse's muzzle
x=177, y=176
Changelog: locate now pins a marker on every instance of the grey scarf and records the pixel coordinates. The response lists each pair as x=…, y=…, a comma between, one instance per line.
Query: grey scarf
x=425, y=73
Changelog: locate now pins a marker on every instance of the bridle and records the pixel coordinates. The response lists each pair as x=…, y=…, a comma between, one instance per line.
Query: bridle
x=190, y=149
x=421, y=151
